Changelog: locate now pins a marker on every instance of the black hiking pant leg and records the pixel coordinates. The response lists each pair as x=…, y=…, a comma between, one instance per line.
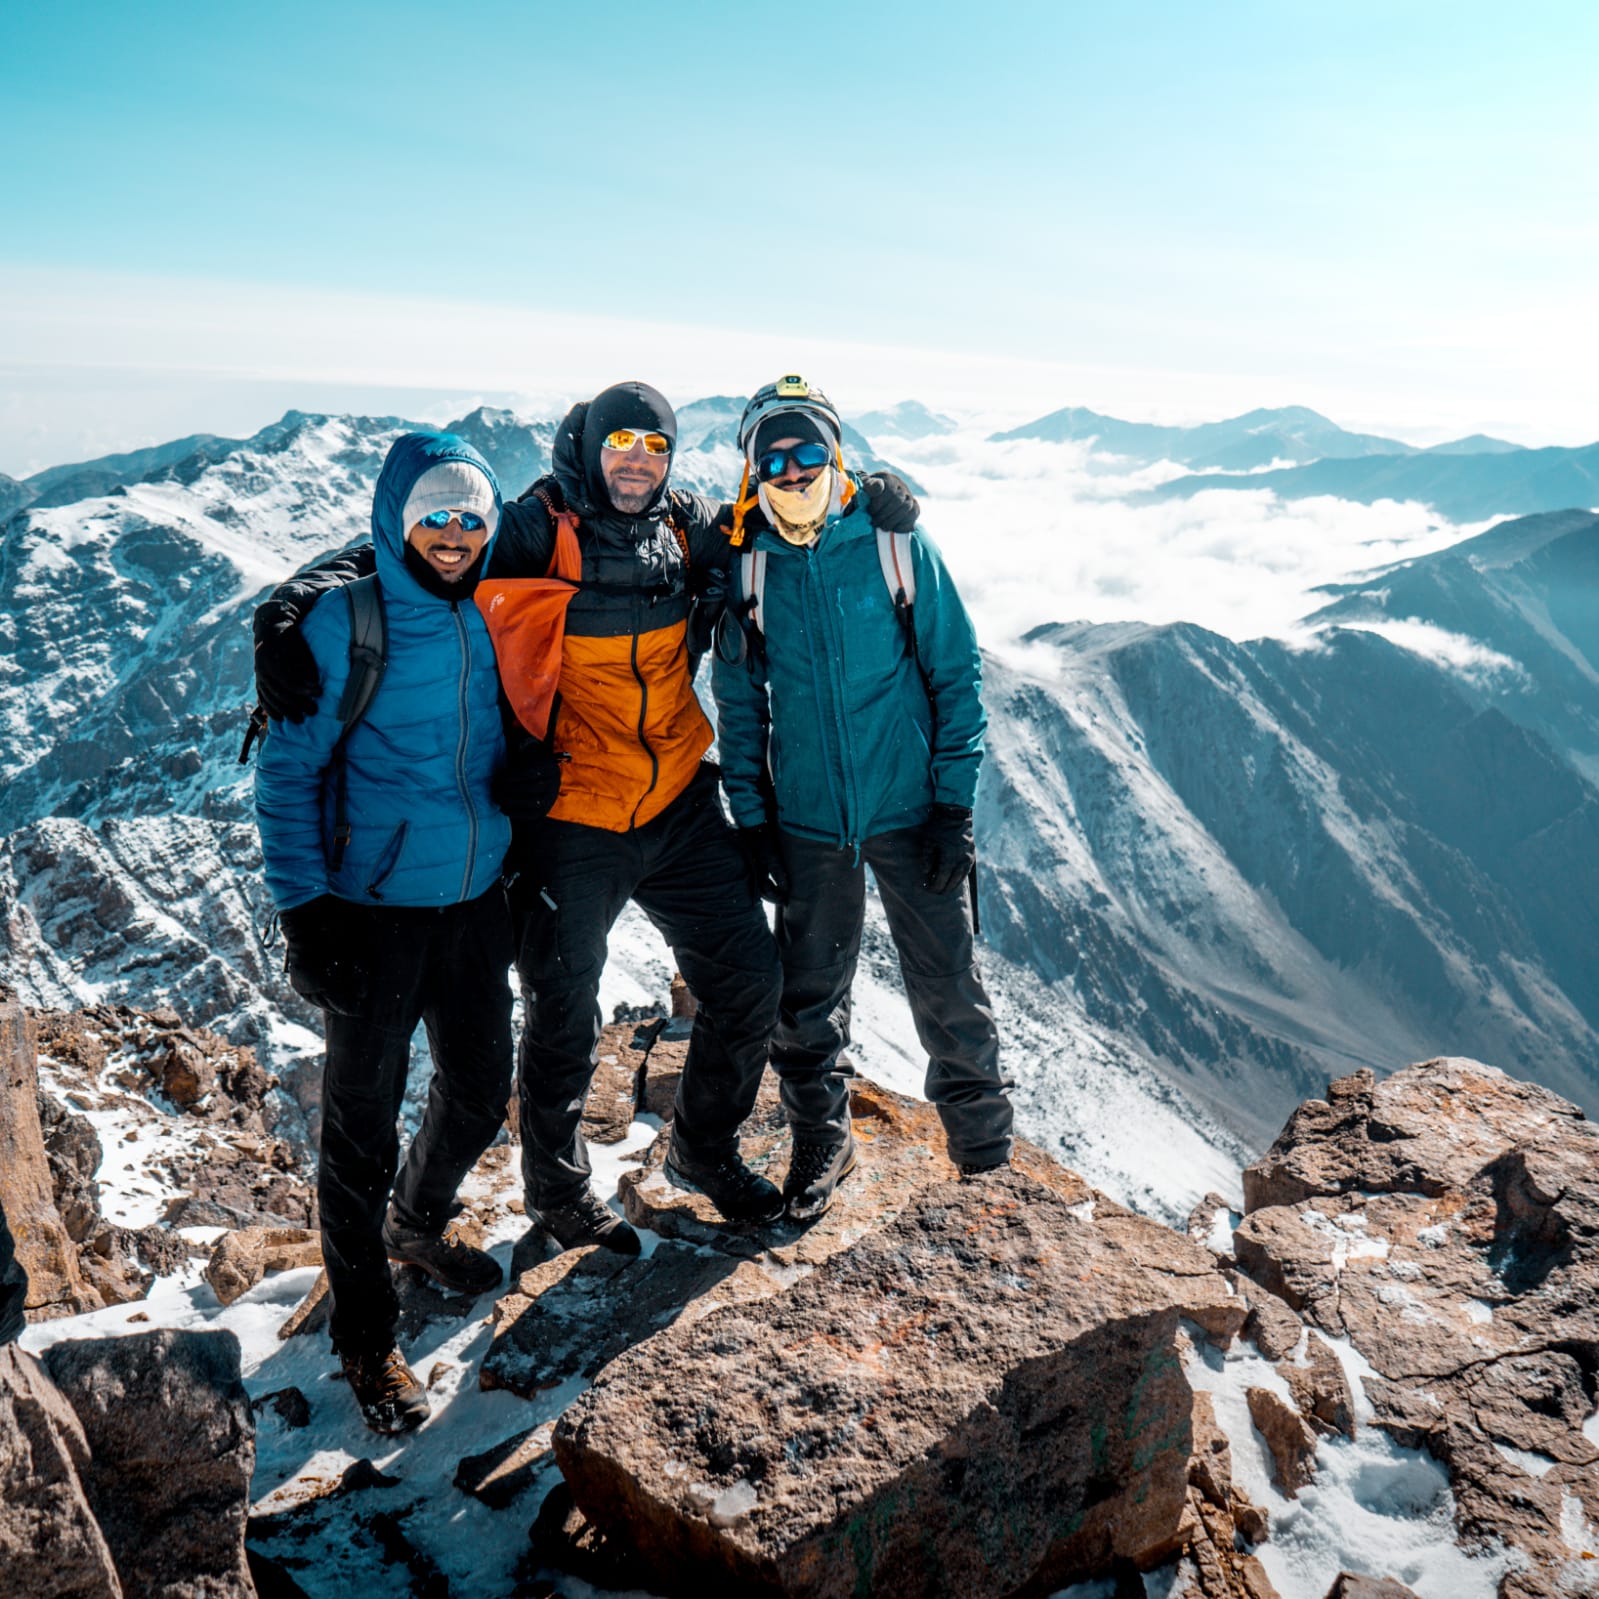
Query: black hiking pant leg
x=468, y=1019
x=953, y=1015
x=819, y=942
x=363, y=1085
x=572, y=886
x=13, y=1287
x=696, y=890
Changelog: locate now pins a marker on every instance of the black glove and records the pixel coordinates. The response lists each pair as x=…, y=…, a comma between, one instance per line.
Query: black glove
x=527, y=785
x=707, y=601
x=889, y=502
x=949, y=851
x=324, y=961
x=286, y=678
x=763, y=858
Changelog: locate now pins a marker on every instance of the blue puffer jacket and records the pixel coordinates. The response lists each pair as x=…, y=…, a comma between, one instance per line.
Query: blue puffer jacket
x=423, y=829
x=855, y=746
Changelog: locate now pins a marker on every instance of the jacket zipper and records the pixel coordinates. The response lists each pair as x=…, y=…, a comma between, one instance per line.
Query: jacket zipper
x=643, y=716
x=825, y=679
x=460, y=751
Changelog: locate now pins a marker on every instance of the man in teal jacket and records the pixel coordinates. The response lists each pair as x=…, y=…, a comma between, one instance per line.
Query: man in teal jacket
x=383, y=852
x=850, y=724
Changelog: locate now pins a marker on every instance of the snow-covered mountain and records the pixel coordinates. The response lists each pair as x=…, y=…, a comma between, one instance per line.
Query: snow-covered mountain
x=1238, y=444
x=1217, y=873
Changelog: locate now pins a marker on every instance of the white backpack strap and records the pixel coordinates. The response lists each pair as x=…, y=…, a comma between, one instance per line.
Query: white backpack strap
x=899, y=571
x=752, y=580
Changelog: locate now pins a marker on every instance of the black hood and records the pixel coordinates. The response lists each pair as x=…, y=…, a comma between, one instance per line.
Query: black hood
x=588, y=424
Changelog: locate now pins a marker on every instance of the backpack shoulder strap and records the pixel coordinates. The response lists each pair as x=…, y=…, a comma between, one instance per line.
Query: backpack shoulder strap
x=368, y=649
x=752, y=587
x=566, y=560
x=899, y=571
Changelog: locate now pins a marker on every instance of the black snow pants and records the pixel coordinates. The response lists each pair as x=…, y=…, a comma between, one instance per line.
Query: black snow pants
x=447, y=968
x=684, y=870
x=13, y=1287
x=819, y=940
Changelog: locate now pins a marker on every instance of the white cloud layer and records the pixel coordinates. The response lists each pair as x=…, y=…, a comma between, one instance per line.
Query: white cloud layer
x=1037, y=533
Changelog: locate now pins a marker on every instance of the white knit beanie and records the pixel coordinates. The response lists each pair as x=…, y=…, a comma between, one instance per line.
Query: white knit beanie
x=451, y=486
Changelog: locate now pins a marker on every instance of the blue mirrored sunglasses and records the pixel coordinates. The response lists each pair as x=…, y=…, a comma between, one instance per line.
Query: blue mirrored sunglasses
x=470, y=521
x=774, y=463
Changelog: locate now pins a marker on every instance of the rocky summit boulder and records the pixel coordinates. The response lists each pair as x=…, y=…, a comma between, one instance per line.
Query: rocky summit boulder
x=1446, y=1222
x=50, y=1544
x=983, y=1395
x=171, y=1442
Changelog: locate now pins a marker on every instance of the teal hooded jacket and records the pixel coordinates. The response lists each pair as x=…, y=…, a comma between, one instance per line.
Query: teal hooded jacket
x=423, y=828
x=829, y=711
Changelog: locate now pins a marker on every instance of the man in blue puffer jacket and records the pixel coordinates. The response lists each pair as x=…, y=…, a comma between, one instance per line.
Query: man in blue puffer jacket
x=850, y=739
x=383, y=853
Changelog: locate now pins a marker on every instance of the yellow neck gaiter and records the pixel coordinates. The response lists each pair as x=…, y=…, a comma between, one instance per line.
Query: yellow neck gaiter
x=798, y=514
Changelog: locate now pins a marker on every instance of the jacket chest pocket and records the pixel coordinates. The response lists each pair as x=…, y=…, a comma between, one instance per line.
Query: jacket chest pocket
x=872, y=637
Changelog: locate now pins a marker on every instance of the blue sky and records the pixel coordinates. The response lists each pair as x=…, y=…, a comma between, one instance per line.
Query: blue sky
x=1387, y=210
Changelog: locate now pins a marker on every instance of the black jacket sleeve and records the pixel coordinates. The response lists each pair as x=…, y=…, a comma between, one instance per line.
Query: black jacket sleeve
x=525, y=543
x=290, y=602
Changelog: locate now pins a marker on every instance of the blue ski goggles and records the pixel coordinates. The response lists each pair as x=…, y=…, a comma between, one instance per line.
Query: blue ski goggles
x=470, y=521
x=807, y=457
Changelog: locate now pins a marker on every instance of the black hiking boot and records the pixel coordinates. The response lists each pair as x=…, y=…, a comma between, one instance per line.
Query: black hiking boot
x=449, y=1262
x=386, y=1389
x=740, y=1194
x=585, y=1219
x=814, y=1171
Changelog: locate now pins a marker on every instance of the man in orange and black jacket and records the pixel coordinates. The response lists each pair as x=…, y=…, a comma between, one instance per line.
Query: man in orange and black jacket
x=636, y=815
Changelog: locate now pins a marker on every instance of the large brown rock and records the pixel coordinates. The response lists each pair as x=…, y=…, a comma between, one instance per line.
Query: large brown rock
x=51, y=1547
x=171, y=1441
x=1446, y=1221
x=899, y=1152
x=240, y=1260
x=44, y=1247
x=982, y=1395
x=1350, y=1586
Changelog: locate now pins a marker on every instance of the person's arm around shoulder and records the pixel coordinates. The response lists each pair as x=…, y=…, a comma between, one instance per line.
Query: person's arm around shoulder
x=525, y=542
x=286, y=679
x=946, y=646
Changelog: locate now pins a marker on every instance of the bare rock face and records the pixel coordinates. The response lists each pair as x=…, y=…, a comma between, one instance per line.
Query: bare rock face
x=51, y=1547
x=171, y=1441
x=1446, y=1221
x=240, y=1260
x=1223, y=1516
x=236, y=1172
x=44, y=1247
x=982, y=1395
x=1350, y=1586
x=1288, y=1436
x=498, y=1476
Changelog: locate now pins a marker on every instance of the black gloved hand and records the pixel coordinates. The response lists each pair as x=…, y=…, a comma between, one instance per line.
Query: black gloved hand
x=324, y=961
x=889, y=502
x=763, y=858
x=287, y=682
x=949, y=852
x=527, y=785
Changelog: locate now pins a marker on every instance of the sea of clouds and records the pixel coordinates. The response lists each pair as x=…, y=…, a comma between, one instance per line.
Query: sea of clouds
x=1037, y=532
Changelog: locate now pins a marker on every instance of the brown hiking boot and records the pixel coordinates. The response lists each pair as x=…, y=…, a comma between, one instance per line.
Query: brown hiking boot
x=449, y=1262
x=386, y=1389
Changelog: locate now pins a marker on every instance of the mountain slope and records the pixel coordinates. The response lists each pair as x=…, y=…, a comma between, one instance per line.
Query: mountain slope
x=1270, y=863
x=1467, y=488
x=1256, y=439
